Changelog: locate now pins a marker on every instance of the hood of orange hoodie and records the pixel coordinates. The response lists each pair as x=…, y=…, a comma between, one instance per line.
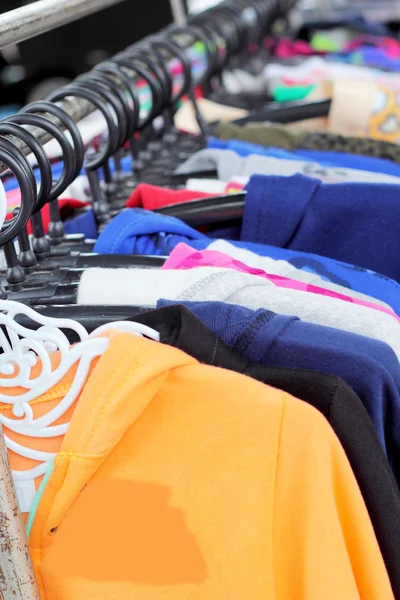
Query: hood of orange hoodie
x=124, y=382
x=303, y=495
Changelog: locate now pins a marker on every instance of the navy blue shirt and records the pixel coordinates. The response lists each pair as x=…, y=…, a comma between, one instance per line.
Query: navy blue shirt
x=358, y=223
x=368, y=366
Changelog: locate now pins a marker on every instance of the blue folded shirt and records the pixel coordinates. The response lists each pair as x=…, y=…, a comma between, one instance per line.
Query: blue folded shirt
x=247, y=148
x=368, y=366
x=84, y=223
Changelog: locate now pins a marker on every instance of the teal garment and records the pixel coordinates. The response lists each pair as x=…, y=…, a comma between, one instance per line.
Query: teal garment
x=289, y=93
x=37, y=499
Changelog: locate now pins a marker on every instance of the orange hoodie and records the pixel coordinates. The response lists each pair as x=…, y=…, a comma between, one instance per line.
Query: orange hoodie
x=180, y=481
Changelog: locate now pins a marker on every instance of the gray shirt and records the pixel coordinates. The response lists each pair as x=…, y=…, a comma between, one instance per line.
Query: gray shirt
x=228, y=164
x=144, y=287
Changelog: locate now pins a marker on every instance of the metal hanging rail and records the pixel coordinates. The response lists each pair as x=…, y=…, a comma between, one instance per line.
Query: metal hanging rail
x=178, y=11
x=44, y=15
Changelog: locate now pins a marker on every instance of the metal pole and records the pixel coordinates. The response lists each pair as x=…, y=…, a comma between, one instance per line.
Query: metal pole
x=38, y=17
x=178, y=11
x=17, y=578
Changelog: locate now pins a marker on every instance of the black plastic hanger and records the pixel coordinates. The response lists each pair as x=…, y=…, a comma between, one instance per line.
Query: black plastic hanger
x=289, y=113
x=27, y=257
x=219, y=54
x=136, y=68
x=152, y=163
x=8, y=128
x=115, y=71
x=151, y=54
x=22, y=170
x=91, y=317
x=79, y=91
x=174, y=47
x=26, y=273
x=68, y=156
x=115, y=97
x=151, y=59
x=92, y=82
x=95, y=161
x=40, y=243
x=56, y=230
x=185, y=37
x=208, y=211
x=116, y=183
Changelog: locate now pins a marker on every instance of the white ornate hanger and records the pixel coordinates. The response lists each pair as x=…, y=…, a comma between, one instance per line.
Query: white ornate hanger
x=22, y=350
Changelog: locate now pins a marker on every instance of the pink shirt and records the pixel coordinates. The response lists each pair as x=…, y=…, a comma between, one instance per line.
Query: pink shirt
x=184, y=257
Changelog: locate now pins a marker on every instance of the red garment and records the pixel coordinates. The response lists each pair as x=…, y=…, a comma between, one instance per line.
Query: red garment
x=67, y=205
x=152, y=197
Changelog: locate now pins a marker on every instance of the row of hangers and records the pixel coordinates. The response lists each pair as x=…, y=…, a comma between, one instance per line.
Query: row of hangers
x=44, y=272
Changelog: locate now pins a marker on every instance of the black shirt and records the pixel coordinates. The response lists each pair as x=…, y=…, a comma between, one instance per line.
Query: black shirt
x=343, y=409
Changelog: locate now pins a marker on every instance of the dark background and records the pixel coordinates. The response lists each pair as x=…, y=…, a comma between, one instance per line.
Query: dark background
x=74, y=48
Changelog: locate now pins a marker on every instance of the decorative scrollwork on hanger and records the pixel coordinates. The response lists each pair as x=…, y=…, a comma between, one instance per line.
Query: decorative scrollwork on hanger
x=30, y=367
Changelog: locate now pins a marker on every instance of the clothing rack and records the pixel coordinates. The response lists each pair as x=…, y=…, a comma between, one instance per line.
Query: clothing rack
x=178, y=11
x=41, y=16
x=17, y=580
